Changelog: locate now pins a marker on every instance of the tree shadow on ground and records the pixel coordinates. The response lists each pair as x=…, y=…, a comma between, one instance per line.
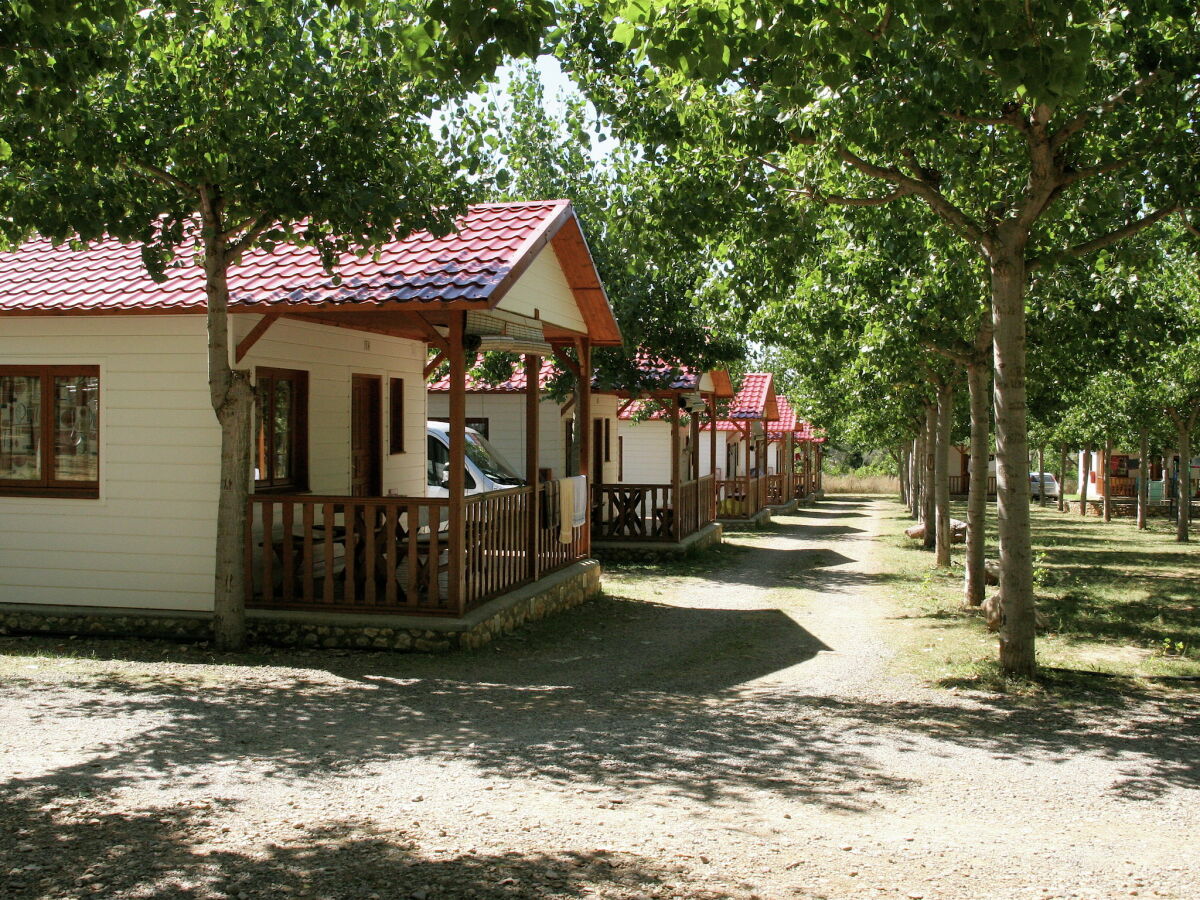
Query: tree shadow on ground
x=64, y=847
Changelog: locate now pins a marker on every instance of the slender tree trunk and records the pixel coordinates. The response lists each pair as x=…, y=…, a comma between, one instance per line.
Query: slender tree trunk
x=233, y=401
x=941, y=472
x=1183, y=429
x=1017, y=628
x=1106, y=475
x=1083, y=482
x=929, y=495
x=1143, y=490
x=902, y=471
x=1062, y=478
x=914, y=479
x=1042, y=475
x=975, y=584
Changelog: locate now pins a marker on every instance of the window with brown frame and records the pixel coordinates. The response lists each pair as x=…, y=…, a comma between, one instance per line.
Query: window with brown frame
x=50, y=431
x=281, y=430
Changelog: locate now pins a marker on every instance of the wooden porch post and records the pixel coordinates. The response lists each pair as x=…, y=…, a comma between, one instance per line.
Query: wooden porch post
x=585, y=430
x=456, y=539
x=748, y=433
x=817, y=465
x=712, y=438
x=533, y=397
x=676, y=451
x=694, y=419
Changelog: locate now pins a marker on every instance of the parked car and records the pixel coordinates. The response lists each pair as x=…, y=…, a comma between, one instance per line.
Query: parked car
x=1050, y=483
x=487, y=469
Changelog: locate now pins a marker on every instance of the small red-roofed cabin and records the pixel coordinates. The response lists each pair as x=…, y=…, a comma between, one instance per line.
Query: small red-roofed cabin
x=109, y=448
x=662, y=496
x=742, y=490
x=793, y=458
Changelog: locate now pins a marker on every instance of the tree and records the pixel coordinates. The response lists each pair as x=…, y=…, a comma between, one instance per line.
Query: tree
x=1033, y=134
x=247, y=123
x=656, y=276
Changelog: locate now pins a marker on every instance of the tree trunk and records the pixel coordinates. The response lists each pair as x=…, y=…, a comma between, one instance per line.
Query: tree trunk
x=1143, y=491
x=1084, y=479
x=914, y=479
x=929, y=497
x=902, y=471
x=975, y=584
x=1062, y=478
x=233, y=401
x=1184, y=481
x=1106, y=475
x=1017, y=627
x=941, y=472
x=1042, y=475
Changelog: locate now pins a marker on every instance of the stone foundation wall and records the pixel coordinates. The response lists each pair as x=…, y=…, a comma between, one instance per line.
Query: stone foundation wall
x=558, y=591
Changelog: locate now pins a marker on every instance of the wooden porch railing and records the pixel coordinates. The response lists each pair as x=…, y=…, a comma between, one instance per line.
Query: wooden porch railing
x=650, y=512
x=706, y=491
x=347, y=553
x=960, y=484
x=777, y=492
x=740, y=498
x=497, y=532
x=392, y=554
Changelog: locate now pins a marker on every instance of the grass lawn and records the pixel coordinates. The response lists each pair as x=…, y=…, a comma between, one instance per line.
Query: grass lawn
x=1111, y=600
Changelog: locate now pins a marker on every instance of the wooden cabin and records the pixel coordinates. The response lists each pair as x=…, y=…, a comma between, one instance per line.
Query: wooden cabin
x=661, y=494
x=793, y=459
x=109, y=447
x=741, y=487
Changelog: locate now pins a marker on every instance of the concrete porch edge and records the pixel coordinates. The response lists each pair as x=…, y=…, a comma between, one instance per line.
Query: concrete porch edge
x=708, y=536
x=759, y=519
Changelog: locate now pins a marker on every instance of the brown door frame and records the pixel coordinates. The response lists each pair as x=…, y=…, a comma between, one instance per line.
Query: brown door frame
x=374, y=435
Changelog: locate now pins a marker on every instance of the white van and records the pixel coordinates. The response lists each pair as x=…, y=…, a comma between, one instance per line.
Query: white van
x=487, y=470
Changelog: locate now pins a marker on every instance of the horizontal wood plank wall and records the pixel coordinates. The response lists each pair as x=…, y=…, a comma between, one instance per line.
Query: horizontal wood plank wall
x=331, y=356
x=542, y=292
x=147, y=541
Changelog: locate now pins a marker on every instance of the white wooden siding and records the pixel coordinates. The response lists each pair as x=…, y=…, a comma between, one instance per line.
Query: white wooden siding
x=148, y=541
x=331, y=356
x=542, y=293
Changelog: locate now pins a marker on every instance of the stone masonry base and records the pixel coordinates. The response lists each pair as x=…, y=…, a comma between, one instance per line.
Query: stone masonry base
x=558, y=591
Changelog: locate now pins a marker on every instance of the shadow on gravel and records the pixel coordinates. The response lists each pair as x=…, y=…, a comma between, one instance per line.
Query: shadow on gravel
x=58, y=847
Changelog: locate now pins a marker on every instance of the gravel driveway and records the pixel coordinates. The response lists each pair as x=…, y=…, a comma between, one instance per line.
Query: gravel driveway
x=740, y=735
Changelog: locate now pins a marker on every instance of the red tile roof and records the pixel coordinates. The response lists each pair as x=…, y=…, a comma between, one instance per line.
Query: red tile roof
x=109, y=276
x=754, y=398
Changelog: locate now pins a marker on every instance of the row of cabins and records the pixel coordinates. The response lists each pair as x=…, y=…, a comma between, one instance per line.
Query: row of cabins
x=109, y=449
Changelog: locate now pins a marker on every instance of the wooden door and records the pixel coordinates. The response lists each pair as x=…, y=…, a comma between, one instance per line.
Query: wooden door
x=366, y=451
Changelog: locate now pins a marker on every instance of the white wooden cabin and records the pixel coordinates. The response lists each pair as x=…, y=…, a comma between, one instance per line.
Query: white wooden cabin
x=109, y=447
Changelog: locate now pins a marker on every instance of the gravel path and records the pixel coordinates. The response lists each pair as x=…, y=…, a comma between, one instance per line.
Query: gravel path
x=742, y=735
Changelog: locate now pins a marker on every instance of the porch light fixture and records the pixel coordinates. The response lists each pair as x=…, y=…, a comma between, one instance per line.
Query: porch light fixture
x=507, y=334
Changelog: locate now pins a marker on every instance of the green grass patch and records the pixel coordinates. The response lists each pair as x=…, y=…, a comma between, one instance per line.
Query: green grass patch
x=1114, y=604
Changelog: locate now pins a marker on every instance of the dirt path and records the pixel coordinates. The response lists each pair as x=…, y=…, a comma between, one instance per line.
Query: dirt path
x=738, y=732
